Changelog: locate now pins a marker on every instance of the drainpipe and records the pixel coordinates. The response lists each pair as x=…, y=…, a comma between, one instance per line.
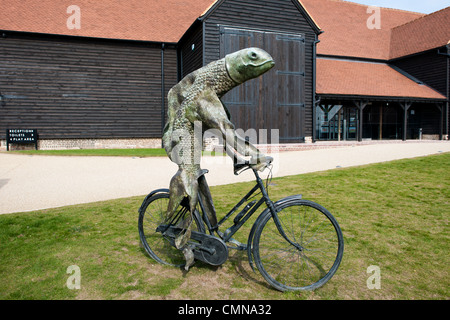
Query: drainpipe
x=315, y=102
x=447, y=54
x=448, y=91
x=163, y=98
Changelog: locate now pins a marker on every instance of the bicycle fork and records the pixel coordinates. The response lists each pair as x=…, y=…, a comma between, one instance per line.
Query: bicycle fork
x=274, y=213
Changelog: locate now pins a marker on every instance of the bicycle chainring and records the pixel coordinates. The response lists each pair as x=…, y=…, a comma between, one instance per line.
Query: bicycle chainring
x=209, y=249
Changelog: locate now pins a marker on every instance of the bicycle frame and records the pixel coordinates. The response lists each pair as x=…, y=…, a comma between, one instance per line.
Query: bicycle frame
x=242, y=217
x=213, y=248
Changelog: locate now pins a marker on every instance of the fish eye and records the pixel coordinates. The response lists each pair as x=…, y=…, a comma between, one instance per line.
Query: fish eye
x=253, y=55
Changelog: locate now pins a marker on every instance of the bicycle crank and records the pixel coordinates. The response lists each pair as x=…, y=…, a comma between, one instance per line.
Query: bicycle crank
x=207, y=248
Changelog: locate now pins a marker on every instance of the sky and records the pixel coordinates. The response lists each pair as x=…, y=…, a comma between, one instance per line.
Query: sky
x=425, y=6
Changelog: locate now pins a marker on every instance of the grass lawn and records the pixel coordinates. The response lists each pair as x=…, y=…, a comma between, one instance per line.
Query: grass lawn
x=393, y=215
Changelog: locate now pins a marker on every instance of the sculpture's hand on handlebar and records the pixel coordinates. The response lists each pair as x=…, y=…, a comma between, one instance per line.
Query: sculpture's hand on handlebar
x=261, y=162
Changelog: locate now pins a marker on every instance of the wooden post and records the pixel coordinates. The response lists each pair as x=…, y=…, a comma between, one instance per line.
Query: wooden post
x=441, y=122
x=446, y=118
x=381, y=122
x=360, y=105
x=405, y=105
x=339, y=124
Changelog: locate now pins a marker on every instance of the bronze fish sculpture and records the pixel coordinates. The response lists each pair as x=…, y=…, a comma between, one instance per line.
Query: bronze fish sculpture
x=196, y=100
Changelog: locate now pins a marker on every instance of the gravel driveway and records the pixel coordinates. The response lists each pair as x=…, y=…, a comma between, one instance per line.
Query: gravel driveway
x=30, y=183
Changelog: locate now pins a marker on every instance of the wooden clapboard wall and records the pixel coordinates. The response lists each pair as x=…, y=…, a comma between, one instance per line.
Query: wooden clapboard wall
x=277, y=99
x=84, y=88
x=292, y=113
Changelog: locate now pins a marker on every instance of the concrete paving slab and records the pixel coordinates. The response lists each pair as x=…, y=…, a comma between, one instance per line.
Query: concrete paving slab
x=29, y=183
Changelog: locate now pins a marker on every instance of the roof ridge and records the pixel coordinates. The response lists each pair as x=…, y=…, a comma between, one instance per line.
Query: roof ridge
x=422, y=17
x=213, y=3
x=309, y=14
x=386, y=8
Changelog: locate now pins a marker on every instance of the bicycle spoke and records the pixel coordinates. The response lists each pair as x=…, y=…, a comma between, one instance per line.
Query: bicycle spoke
x=312, y=258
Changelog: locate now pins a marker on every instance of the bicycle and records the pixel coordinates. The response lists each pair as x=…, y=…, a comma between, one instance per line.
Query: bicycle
x=295, y=244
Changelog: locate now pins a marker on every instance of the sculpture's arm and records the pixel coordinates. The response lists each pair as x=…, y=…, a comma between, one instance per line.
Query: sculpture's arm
x=226, y=110
x=213, y=115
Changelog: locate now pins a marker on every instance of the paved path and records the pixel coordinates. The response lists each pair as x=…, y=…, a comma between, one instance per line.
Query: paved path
x=30, y=183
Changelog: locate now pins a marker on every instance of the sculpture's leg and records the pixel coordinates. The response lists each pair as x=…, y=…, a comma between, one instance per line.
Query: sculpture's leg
x=176, y=193
x=183, y=184
x=207, y=200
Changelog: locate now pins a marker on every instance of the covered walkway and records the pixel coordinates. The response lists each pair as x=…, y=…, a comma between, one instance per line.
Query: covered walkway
x=372, y=100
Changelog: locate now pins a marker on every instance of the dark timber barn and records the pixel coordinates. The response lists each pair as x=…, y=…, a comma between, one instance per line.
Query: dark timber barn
x=283, y=98
x=96, y=75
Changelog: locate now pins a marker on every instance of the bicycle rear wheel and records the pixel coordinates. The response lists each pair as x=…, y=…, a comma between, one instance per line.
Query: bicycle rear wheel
x=151, y=216
x=317, y=252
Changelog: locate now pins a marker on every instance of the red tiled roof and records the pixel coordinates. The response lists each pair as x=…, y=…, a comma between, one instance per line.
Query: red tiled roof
x=344, y=23
x=159, y=21
x=429, y=32
x=346, y=77
x=151, y=20
x=346, y=32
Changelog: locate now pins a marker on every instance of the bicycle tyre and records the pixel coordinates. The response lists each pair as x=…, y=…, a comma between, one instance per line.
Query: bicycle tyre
x=151, y=215
x=287, y=268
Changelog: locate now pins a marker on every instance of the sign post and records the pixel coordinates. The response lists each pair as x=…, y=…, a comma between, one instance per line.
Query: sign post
x=21, y=136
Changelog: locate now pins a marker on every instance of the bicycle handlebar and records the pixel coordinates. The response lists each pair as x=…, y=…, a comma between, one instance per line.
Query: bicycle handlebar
x=240, y=165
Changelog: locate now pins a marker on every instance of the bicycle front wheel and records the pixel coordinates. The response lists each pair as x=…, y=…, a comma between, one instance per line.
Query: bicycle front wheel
x=313, y=254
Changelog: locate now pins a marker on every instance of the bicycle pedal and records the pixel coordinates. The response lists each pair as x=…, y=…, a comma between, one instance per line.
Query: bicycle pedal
x=239, y=245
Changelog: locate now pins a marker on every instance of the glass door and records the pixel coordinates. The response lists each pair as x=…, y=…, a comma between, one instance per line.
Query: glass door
x=328, y=121
x=336, y=122
x=350, y=125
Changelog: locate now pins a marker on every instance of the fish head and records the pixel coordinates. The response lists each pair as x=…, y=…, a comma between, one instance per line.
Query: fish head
x=248, y=64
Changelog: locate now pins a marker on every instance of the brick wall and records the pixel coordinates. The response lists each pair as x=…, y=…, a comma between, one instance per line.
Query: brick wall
x=64, y=144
